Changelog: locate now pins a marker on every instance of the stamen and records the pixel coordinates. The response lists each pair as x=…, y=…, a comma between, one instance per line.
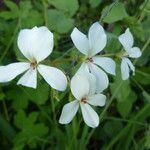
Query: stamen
x=89, y=59
x=33, y=64
x=84, y=100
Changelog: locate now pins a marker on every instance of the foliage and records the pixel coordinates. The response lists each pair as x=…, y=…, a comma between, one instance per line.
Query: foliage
x=29, y=118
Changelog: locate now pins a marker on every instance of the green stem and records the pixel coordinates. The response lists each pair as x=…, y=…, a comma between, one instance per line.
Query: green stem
x=45, y=12
x=5, y=110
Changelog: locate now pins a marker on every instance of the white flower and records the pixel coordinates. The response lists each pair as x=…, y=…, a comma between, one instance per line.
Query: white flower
x=83, y=89
x=35, y=44
x=90, y=46
x=126, y=39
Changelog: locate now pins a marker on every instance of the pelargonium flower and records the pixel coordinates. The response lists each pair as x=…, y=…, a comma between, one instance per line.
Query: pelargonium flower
x=126, y=39
x=90, y=46
x=36, y=44
x=83, y=89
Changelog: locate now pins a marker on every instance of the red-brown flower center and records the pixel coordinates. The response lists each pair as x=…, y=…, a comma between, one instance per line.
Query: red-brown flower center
x=84, y=100
x=33, y=64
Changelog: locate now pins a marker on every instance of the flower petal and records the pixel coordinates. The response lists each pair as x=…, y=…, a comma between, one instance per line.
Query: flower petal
x=97, y=100
x=92, y=83
x=101, y=78
x=134, y=52
x=124, y=69
x=54, y=77
x=80, y=40
x=79, y=86
x=89, y=115
x=126, y=39
x=83, y=69
x=36, y=43
x=106, y=63
x=130, y=64
x=29, y=79
x=68, y=112
x=97, y=38
x=9, y=72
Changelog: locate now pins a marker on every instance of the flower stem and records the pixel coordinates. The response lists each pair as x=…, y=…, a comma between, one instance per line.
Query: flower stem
x=5, y=110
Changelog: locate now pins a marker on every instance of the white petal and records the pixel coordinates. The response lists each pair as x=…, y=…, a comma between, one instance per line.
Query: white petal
x=97, y=100
x=130, y=64
x=89, y=115
x=68, y=112
x=126, y=39
x=124, y=69
x=80, y=40
x=79, y=86
x=54, y=77
x=36, y=43
x=83, y=69
x=29, y=79
x=92, y=82
x=101, y=77
x=9, y=72
x=97, y=38
x=134, y=52
x=106, y=63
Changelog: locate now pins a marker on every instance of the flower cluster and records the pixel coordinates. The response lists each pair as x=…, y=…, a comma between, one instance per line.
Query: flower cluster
x=90, y=80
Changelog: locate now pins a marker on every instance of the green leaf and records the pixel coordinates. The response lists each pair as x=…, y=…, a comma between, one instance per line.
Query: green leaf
x=116, y=13
x=13, y=11
x=125, y=107
x=94, y=3
x=39, y=95
x=147, y=142
x=144, y=74
x=30, y=131
x=6, y=129
x=135, y=26
x=69, y=7
x=59, y=22
x=19, y=101
x=112, y=128
x=113, y=46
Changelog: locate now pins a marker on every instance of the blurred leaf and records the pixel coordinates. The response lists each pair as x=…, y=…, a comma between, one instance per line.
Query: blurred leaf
x=94, y=3
x=59, y=22
x=19, y=101
x=7, y=129
x=113, y=44
x=30, y=132
x=69, y=7
x=111, y=128
x=13, y=13
x=146, y=95
x=144, y=74
x=29, y=16
x=125, y=107
x=147, y=142
x=116, y=13
x=135, y=26
x=39, y=95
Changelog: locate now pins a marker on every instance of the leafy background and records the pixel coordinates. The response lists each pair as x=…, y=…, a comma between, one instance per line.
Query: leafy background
x=29, y=118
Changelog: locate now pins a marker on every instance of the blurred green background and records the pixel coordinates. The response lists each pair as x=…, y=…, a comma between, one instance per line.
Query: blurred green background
x=29, y=118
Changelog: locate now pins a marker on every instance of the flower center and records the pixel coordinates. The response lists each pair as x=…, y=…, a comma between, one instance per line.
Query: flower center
x=84, y=100
x=90, y=59
x=33, y=64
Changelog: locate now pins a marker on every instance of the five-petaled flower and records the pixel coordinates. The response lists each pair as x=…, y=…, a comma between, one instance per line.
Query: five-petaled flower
x=90, y=46
x=36, y=44
x=83, y=89
x=126, y=39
